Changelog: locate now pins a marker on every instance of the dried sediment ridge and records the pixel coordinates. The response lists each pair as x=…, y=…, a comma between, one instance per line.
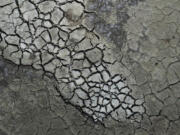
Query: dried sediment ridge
x=52, y=36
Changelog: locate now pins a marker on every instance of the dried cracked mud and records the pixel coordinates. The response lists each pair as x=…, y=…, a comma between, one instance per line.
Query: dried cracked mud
x=89, y=67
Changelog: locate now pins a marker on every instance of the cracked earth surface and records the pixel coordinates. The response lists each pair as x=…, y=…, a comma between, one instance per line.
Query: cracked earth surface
x=90, y=67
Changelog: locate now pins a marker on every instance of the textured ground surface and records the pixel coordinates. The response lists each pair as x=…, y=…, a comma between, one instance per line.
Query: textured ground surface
x=105, y=67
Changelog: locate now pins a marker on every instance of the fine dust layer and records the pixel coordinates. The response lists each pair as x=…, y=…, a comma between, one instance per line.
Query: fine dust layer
x=80, y=67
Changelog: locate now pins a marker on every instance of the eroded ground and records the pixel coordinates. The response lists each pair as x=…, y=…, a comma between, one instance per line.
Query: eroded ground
x=81, y=67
